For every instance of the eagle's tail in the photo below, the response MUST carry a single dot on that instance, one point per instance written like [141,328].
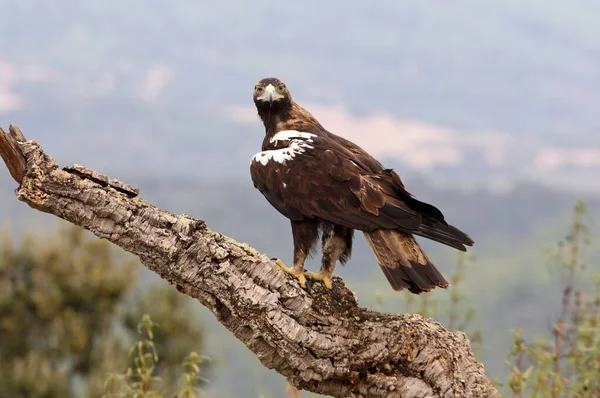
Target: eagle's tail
[435,228]
[403,261]
[444,233]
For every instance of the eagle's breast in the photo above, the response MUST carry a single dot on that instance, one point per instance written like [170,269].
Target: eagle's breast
[285,146]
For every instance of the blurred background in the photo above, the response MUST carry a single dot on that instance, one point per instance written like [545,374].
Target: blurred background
[487,110]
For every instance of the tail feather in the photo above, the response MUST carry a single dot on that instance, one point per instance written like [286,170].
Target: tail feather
[403,262]
[444,233]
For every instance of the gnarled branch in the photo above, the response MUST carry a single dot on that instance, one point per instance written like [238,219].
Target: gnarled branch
[319,339]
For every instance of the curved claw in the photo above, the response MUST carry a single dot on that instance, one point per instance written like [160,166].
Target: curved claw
[320,277]
[300,276]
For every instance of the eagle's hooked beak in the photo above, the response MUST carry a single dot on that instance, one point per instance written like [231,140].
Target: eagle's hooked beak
[270,94]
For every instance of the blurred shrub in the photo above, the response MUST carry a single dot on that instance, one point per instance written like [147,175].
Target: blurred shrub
[567,362]
[69,307]
[140,380]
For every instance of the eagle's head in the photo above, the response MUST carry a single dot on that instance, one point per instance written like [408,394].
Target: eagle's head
[271,93]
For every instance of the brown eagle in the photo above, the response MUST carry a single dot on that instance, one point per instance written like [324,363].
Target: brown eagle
[329,186]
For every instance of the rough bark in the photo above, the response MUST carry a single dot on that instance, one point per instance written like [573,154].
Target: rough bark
[320,340]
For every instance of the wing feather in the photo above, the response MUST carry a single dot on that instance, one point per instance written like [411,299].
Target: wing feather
[328,182]
[337,181]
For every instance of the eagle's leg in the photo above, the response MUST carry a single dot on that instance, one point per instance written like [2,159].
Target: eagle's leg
[305,234]
[337,245]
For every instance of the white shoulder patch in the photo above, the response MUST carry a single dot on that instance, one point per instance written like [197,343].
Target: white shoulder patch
[285,135]
[299,142]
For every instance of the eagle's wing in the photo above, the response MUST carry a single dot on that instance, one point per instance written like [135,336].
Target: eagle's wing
[335,183]
[433,226]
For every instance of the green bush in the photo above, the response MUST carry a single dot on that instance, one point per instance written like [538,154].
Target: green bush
[566,363]
[69,307]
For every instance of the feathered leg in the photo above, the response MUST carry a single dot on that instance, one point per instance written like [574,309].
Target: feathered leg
[305,234]
[337,245]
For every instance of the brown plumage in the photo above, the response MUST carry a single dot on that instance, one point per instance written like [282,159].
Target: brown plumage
[328,185]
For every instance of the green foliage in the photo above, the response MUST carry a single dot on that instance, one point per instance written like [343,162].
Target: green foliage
[179,328]
[192,364]
[140,380]
[66,305]
[568,362]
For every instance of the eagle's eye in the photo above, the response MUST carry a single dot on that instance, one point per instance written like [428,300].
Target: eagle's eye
[281,88]
[259,89]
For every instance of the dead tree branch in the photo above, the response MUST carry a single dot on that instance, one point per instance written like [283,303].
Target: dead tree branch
[319,339]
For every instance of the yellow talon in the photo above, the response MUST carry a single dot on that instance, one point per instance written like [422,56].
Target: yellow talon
[300,276]
[320,277]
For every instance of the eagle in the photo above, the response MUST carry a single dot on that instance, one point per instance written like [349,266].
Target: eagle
[328,187]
